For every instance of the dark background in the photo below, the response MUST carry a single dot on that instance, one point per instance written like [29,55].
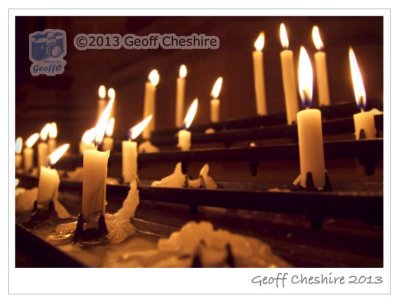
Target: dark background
[70,99]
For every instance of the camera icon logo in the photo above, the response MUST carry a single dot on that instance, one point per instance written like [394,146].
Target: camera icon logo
[46,51]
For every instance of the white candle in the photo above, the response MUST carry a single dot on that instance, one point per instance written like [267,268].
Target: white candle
[365,120]
[288,78]
[52,142]
[28,151]
[214,104]
[184,135]
[309,126]
[49,179]
[102,100]
[180,95]
[321,69]
[87,140]
[129,151]
[259,84]
[108,141]
[18,150]
[43,148]
[112,95]
[149,101]
[95,171]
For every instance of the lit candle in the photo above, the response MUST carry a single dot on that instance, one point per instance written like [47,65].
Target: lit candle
[149,101]
[52,137]
[43,148]
[180,95]
[321,69]
[18,150]
[258,66]
[215,100]
[28,152]
[108,141]
[184,135]
[95,172]
[87,141]
[102,100]
[49,179]
[365,120]
[129,151]
[309,127]
[112,95]
[288,78]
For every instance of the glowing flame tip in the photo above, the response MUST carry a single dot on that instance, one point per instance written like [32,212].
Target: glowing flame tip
[259,43]
[305,75]
[217,87]
[57,154]
[191,114]
[138,129]
[319,44]
[283,35]
[182,71]
[358,84]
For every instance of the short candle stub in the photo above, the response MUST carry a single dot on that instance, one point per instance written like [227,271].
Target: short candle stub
[91,236]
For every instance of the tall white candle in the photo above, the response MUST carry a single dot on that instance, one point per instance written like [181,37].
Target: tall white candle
[321,69]
[52,142]
[258,66]
[95,171]
[28,151]
[149,101]
[49,179]
[365,120]
[108,141]
[18,150]
[112,95]
[288,78]
[184,135]
[43,148]
[129,151]
[180,95]
[309,126]
[214,104]
[101,104]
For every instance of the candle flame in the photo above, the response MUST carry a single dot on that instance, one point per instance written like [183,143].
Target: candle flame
[138,129]
[88,136]
[154,77]
[110,127]
[319,44]
[259,43]
[18,145]
[111,93]
[284,36]
[305,75]
[191,114]
[358,84]
[217,87]
[182,71]
[53,130]
[16,182]
[44,133]
[102,92]
[32,140]
[101,125]
[57,154]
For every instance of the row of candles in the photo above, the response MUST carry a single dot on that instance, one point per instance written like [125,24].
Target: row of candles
[309,124]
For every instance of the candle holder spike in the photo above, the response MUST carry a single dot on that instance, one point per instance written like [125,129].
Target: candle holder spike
[39,215]
[253,168]
[368,163]
[310,184]
[90,235]
[230,259]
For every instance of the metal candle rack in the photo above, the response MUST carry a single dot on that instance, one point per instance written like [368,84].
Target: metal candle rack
[334,111]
